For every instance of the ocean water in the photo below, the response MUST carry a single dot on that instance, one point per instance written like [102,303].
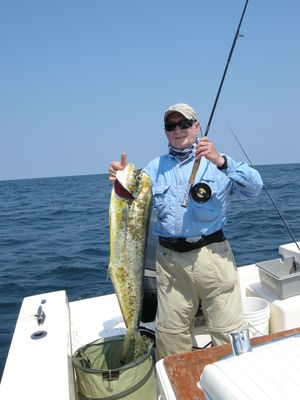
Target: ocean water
[54,235]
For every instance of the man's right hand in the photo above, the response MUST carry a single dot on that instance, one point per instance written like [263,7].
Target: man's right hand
[117,166]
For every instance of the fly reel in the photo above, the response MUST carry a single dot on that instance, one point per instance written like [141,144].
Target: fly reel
[201,192]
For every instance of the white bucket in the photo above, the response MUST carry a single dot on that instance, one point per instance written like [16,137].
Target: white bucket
[256,313]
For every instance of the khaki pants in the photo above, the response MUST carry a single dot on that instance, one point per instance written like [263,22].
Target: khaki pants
[208,274]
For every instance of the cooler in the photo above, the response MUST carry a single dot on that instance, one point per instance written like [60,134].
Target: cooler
[270,371]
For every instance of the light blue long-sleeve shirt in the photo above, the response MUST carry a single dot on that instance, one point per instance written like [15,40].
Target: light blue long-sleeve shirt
[169,178]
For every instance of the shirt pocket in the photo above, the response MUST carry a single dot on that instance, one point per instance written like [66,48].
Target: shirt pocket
[208,211]
[160,201]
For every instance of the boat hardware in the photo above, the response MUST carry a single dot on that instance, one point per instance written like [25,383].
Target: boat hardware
[38,335]
[295,264]
[295,268]
[240,341]
[40,316]
[197,188]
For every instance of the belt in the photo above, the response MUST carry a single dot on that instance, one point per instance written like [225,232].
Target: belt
[182,245]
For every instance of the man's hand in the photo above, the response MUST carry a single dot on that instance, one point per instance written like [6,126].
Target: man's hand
[206,149]
[116,166]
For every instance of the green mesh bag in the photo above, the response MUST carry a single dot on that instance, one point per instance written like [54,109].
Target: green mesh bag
[100,375]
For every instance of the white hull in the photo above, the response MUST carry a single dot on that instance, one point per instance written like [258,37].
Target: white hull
[42,368]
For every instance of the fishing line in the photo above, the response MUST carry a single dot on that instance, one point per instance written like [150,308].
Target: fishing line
[267,191]
[201,191]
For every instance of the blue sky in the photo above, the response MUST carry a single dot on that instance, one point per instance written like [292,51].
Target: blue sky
[81,81]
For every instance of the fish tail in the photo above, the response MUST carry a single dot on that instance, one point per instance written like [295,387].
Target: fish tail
[133,346]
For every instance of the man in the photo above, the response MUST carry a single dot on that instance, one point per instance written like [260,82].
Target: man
[194,261]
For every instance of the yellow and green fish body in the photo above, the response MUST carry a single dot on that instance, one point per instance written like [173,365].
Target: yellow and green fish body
[129,212]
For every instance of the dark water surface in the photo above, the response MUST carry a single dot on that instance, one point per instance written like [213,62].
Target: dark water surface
[54,235]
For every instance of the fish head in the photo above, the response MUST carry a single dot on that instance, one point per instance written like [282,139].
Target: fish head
[128,182]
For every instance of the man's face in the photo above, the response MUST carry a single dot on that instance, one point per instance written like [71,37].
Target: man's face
[182,139]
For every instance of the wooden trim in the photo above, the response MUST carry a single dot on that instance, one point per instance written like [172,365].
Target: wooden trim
[184,370]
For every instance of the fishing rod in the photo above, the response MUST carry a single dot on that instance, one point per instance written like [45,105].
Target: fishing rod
[267,191]
[201,192]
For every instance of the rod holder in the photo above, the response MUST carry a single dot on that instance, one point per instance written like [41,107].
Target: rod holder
[240,341]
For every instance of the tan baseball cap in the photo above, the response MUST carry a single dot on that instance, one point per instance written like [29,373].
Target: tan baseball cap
[187,111]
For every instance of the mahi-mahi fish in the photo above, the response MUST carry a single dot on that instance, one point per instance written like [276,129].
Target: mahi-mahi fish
[129,211]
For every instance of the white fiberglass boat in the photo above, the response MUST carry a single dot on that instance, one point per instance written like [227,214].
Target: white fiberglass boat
[50,329]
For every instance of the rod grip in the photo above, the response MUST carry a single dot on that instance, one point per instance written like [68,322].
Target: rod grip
[194,172]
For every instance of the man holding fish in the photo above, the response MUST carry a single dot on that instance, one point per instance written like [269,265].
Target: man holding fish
[194,261]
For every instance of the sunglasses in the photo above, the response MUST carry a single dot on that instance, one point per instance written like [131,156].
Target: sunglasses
[182,124]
